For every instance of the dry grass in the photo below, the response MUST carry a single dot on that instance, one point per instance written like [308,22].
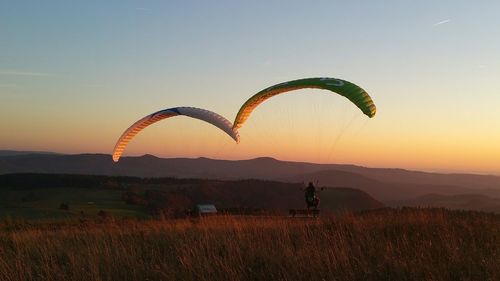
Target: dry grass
[405,244]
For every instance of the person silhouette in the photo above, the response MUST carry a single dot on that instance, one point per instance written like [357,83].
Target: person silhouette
[310,195]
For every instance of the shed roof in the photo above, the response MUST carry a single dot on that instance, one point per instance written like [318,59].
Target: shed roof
[206,208]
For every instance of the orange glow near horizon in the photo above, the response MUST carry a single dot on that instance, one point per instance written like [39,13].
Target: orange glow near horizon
[325,130]
[417,156]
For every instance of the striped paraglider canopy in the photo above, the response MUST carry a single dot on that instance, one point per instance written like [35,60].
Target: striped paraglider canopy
[197,113]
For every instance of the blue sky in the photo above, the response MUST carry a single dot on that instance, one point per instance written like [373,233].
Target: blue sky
[75,74]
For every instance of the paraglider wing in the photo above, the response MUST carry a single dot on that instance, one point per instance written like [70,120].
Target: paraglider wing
[344,88]
[198,113]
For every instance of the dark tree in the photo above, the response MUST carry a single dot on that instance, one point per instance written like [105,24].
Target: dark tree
[64,207]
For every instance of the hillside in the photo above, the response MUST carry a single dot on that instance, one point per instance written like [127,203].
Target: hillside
[388,244]
[389,190]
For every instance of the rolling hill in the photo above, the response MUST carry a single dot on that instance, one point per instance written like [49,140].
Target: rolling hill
[381,183]
[390,190]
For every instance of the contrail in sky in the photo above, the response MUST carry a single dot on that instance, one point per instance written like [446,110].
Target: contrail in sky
[441,22]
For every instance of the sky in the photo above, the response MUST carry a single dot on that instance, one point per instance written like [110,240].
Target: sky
[75,74]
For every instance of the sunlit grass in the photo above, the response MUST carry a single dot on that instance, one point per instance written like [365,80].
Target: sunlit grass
[407,244]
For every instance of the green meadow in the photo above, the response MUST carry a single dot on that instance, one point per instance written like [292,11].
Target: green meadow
[46,203]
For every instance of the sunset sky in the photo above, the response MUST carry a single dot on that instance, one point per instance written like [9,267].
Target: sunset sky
[75,74]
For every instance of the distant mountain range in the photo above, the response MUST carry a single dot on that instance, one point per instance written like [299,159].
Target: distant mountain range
[17,153]
[383,184]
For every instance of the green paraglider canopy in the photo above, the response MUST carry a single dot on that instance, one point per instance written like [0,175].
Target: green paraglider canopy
[354,93]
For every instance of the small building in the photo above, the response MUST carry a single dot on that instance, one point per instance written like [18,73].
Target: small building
[205,209]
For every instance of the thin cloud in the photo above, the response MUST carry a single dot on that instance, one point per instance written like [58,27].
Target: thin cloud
[441,22]
[143,9]
[22,73]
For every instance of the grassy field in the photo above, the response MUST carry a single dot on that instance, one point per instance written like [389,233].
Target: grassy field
[49,196]
[44,203]
[408,244]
